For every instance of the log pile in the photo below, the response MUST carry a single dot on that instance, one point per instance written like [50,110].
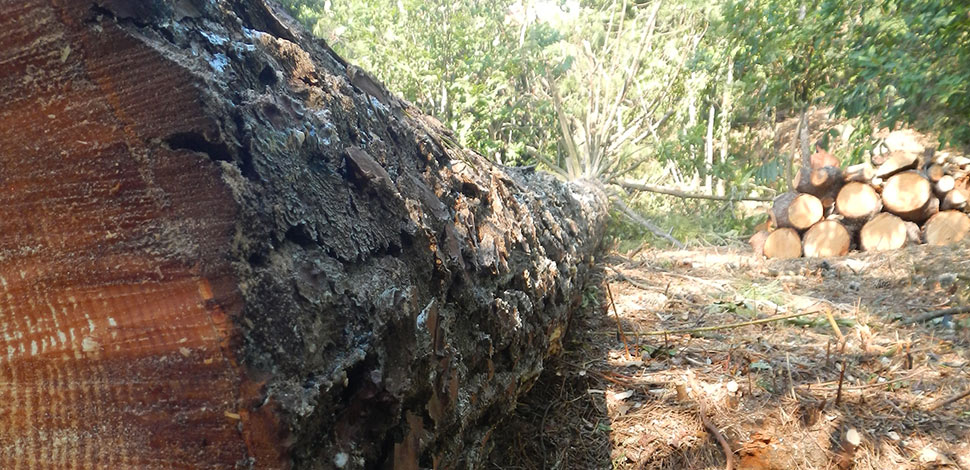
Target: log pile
[898,197]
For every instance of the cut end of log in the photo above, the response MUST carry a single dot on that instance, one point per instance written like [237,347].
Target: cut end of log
[826,239]
[884,232]
[956,199]
[907,195]
[783,243]
[945,184]
[804,211]
[858,201]
[946,227]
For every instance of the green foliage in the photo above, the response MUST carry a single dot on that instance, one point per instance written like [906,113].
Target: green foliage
[692,221]
[885,62]
[908,62]
[466,62]
[675,93]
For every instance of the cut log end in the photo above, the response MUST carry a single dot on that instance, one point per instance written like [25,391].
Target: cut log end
[884,232]
[858,201]
[907,195]
[804,211]
[945,184]
[823,158]
[783,243]
[946,227]
[955,200]
[826,239]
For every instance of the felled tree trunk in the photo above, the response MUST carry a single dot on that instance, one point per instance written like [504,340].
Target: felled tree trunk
[223,247]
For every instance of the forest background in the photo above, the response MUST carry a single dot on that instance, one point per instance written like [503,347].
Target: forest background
[721,98]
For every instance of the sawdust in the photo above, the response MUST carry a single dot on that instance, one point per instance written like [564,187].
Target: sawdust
[772,389]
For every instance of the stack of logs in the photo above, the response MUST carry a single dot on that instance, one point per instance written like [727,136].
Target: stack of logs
[898,197]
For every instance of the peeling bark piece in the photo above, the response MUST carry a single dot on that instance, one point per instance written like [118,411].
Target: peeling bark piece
[757,242]
[895,162]
[783,243]
[779,210]
[862,173]
[946,227]
[222,252]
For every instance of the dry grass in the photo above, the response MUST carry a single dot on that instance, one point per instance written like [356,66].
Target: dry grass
[771,389]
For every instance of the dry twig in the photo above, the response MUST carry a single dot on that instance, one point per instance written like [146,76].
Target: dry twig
[838,395]
[759,321]
[957,397]
[725,447]
[619,329]
[937,314]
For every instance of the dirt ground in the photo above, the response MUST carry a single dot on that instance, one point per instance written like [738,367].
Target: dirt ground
[796,393]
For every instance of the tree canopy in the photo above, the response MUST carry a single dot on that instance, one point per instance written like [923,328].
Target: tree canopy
[676,92]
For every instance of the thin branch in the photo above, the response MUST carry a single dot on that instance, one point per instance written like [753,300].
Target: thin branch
[728,454]
[702,329]
[619,329]
[957,397]
[937,314]
[687,195]
[637,218]
[573,155]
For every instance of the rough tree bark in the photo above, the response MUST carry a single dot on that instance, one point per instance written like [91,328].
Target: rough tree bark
[223,247]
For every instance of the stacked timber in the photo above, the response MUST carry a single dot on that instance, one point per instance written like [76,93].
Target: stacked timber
[898,197]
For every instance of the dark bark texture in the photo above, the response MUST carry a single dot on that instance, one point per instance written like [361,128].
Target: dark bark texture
[223,247]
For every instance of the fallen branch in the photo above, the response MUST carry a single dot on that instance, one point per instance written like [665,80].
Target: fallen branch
[635,283]
[937,314]
[681,331]
[957,397]
[817,386]
[728,453]
[845,361]
[687,195]
[725,447]
[637,218]
[619,329]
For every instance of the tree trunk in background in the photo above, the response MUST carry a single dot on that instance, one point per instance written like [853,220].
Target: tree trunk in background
[804,134]
[709,153]
[224,248]
[726,120]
